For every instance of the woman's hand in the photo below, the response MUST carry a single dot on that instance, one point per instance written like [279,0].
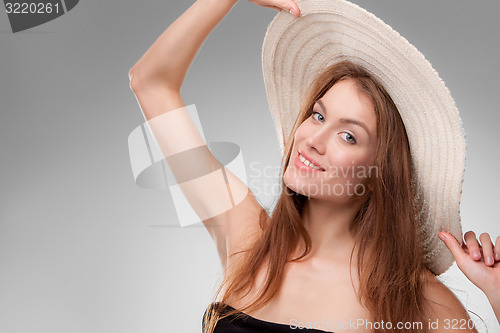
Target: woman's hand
[288,5]
[479,262]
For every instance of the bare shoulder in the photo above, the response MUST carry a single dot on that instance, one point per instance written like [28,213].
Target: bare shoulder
[444,308]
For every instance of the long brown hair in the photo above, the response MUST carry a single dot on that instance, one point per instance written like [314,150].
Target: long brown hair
[385,229]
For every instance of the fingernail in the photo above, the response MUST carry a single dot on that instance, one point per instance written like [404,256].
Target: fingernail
[497,256]
[292,11]
[477,254]
[489,261]
[441,236]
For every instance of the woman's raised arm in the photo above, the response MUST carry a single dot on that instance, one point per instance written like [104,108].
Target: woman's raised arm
[226,206]
[168,59]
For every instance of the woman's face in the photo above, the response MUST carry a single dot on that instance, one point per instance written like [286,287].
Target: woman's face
[339,138]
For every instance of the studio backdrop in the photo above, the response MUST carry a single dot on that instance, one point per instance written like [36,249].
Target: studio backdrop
[86,244]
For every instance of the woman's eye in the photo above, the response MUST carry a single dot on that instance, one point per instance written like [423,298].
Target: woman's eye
[318,116]
[348,137]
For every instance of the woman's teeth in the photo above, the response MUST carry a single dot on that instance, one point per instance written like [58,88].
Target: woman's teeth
[306,162]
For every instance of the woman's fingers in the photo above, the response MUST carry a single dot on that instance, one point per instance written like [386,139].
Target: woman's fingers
[472,245]
[487,247]
[484,275]
[487,251]
[465,248]
[294,9]
[456,250]
[288,5]
[278,5]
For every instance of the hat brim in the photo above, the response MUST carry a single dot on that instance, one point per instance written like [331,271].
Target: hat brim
[296,50]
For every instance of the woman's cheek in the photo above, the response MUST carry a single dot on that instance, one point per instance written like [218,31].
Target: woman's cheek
[352,169]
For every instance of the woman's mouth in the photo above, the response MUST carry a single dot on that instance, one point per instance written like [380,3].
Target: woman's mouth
[303,163]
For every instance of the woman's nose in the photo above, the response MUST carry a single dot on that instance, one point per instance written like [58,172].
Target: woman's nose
[318,139]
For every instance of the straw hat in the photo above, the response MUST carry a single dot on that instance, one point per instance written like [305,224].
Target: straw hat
[295,50]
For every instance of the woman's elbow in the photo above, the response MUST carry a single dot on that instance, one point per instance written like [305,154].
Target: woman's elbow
[133,78]
[139,81]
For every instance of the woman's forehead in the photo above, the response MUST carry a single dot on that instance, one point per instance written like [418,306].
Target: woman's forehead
[345,99]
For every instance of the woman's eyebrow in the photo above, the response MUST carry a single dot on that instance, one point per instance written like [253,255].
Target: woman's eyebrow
[346,120]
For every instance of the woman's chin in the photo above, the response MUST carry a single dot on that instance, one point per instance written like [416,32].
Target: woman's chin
[292,185]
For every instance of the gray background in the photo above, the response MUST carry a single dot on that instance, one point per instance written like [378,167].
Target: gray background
[83,249]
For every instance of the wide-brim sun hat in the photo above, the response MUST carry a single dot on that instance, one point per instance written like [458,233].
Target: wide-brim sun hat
[296,49]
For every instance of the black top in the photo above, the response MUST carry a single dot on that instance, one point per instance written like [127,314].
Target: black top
[244,323]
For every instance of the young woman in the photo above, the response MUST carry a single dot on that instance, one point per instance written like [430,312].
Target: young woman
[350,256]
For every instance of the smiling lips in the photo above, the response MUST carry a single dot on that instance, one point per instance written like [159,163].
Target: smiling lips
[304,162]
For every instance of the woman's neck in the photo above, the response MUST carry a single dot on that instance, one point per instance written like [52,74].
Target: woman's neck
[328,225]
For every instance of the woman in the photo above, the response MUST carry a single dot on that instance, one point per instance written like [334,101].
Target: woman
[324,253]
